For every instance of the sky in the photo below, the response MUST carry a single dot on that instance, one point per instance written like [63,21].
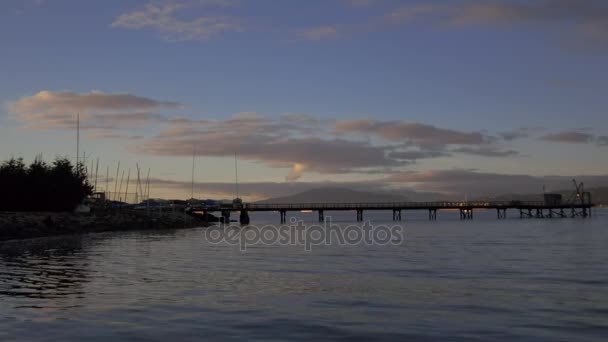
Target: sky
[460,97]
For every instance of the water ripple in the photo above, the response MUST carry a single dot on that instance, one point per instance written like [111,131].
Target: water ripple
[459,281]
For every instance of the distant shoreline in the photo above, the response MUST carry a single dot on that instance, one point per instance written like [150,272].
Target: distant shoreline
[27,225]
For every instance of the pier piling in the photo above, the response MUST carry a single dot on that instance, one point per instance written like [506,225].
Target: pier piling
[359,215]
[432,214]
[396,214]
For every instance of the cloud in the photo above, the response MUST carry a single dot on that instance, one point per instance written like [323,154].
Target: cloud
[520,133]
[296,172]
[404,14]
[485,151]
[98,110]
[164,17]
[319,33]
[417,154]
[577,23]
[585,20]
[94,100]
[298,142]
[115,136]
[573,137]
[306,144]
[577,136]
[512,13]
[510,136]
[417,133]
[363,3]
[264,140]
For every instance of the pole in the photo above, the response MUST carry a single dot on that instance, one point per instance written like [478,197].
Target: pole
[96,171]
[193,158]
[91,169]
[90,174]
[121,179]
[107,182]
[236,176]
[137,186]
[127,189]
[116,180]
[84,161]
[148,185]
[77,141]
[147,196]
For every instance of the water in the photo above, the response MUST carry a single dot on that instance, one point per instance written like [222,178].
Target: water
[535,280]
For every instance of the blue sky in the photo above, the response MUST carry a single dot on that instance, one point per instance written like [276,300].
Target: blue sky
[536,68]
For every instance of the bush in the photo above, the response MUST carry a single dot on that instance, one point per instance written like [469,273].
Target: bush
[42,187]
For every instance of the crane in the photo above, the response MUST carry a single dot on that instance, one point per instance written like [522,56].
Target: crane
[580,195]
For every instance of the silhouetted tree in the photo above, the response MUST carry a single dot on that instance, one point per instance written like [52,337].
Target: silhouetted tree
[42,187]
[12,180]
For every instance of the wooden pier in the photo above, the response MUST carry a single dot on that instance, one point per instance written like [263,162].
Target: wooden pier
[529,210]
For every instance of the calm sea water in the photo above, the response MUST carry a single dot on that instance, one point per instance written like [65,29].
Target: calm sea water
[534,280]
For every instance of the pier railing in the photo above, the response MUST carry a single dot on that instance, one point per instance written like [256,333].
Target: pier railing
[407,205]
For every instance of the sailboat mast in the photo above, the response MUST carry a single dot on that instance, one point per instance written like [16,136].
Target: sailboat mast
[236,176]
[77,142]
[116,181]
[193,158]
[96,172]
[127,189]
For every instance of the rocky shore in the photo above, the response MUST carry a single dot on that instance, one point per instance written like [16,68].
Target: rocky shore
[25,225]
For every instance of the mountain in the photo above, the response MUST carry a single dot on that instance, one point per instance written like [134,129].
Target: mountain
[599,196]
[337,195]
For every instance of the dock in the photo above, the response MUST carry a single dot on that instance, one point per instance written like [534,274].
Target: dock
[524,209]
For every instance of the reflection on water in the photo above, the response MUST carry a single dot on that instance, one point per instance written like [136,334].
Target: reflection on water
[486,279]
[43,268]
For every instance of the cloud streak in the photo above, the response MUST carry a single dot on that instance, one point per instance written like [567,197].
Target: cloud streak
[576,137]
[572,137]
[578,23]
[319,33]
[164,18]
[98,110]
[485,151]
[417,133]
[585,20]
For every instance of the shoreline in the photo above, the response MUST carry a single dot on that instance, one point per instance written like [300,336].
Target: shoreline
[28,225]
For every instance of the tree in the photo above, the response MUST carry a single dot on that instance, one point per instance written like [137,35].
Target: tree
[42,187]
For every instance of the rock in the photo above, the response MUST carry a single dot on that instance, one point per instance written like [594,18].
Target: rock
[20,225]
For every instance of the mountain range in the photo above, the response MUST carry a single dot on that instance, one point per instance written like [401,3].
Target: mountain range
[599,196]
